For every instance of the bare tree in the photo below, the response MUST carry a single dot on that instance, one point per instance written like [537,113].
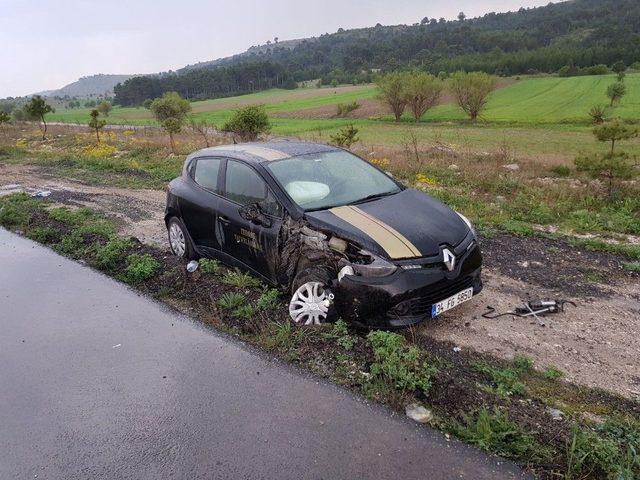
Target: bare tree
[202,128]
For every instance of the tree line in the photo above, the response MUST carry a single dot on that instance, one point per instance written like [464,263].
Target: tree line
[575,35]
[198,84]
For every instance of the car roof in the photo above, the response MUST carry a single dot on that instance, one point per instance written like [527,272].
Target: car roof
[259,152]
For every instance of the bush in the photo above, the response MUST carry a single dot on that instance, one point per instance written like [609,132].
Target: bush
[597,113]
[345,108]
[140,268]
[616,91]
[340,333]
[239,279]
[208,265]
[231,300]
[268,300]
[345,137]
[560,170]
[248,122]
[399,364]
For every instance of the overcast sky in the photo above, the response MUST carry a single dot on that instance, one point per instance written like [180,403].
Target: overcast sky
[46,44]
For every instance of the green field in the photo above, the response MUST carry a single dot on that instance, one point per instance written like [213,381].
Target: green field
[551,100]
[536,100]
[536,115]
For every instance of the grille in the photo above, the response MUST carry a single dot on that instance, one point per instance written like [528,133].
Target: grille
[421,305]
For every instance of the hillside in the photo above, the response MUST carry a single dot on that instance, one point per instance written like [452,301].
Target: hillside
[91,86]
[544,39]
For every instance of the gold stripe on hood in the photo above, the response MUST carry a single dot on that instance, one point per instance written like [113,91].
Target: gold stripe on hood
[393,242]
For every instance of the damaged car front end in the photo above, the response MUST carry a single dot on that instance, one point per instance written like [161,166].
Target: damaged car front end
[344,238]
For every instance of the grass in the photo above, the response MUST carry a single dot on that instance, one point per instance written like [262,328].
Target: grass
[239,279]
[608,451]
[632,266]
[493,431]
[210,266]
[231,300]
[109,256]
[140,268]
[551,100]
[397,364]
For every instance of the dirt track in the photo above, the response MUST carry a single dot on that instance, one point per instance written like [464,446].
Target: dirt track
[595,344]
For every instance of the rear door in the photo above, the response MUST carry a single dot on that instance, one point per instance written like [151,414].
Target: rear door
[198,206]
[256,246]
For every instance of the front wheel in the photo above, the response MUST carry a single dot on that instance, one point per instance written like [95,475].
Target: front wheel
[312,301]
[179,239]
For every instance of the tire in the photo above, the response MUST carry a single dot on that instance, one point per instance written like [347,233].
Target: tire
[311,300]
[183,249]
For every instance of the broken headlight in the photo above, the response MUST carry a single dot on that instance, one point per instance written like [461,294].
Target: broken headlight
[367,264]
[468,222]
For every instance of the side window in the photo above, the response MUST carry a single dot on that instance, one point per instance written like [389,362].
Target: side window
[205,173]
[244,186]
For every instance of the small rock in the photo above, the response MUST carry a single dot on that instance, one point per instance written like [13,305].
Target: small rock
[524,264]
[418,413]
[555,413]
[514,167]
[456,349]
[453,166]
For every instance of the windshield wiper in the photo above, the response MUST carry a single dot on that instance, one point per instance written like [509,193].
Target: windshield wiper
[375,196]
[362,200]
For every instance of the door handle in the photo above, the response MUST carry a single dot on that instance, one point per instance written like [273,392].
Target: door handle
[224,220]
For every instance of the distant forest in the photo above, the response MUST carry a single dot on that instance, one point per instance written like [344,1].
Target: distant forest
[578,33]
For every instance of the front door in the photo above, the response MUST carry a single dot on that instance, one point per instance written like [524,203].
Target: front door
[255,245]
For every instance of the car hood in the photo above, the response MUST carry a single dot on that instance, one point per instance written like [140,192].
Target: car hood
[408,224]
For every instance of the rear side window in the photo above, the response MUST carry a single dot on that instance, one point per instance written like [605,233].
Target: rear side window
[244,186]
[205,173]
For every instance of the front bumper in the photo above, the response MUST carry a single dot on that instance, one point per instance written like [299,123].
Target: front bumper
[405,297]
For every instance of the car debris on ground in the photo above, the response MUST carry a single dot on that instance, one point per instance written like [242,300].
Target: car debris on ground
[417,412]
[532,308]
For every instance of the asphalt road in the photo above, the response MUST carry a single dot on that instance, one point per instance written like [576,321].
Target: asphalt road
[97,381]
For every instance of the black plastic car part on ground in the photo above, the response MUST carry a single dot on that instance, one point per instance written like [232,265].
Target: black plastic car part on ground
[341,235]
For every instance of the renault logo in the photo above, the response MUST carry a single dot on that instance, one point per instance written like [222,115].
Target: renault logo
[449,259]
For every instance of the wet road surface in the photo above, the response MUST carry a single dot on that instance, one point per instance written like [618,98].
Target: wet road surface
[97,381]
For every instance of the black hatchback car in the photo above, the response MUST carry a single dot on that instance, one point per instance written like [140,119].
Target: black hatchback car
[343,237]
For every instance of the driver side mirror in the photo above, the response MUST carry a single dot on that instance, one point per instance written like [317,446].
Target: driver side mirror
[253,214]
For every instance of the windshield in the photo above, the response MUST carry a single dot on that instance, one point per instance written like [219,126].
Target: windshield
[324,180]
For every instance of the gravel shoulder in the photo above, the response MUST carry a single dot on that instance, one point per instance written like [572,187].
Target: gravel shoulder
[597,343]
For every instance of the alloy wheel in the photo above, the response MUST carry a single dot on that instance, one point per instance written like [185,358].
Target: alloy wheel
[177,240]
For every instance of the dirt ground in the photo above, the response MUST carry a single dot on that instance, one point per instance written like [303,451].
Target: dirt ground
[596,343]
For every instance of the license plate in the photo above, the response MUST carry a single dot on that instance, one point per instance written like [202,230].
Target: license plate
[451,302]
